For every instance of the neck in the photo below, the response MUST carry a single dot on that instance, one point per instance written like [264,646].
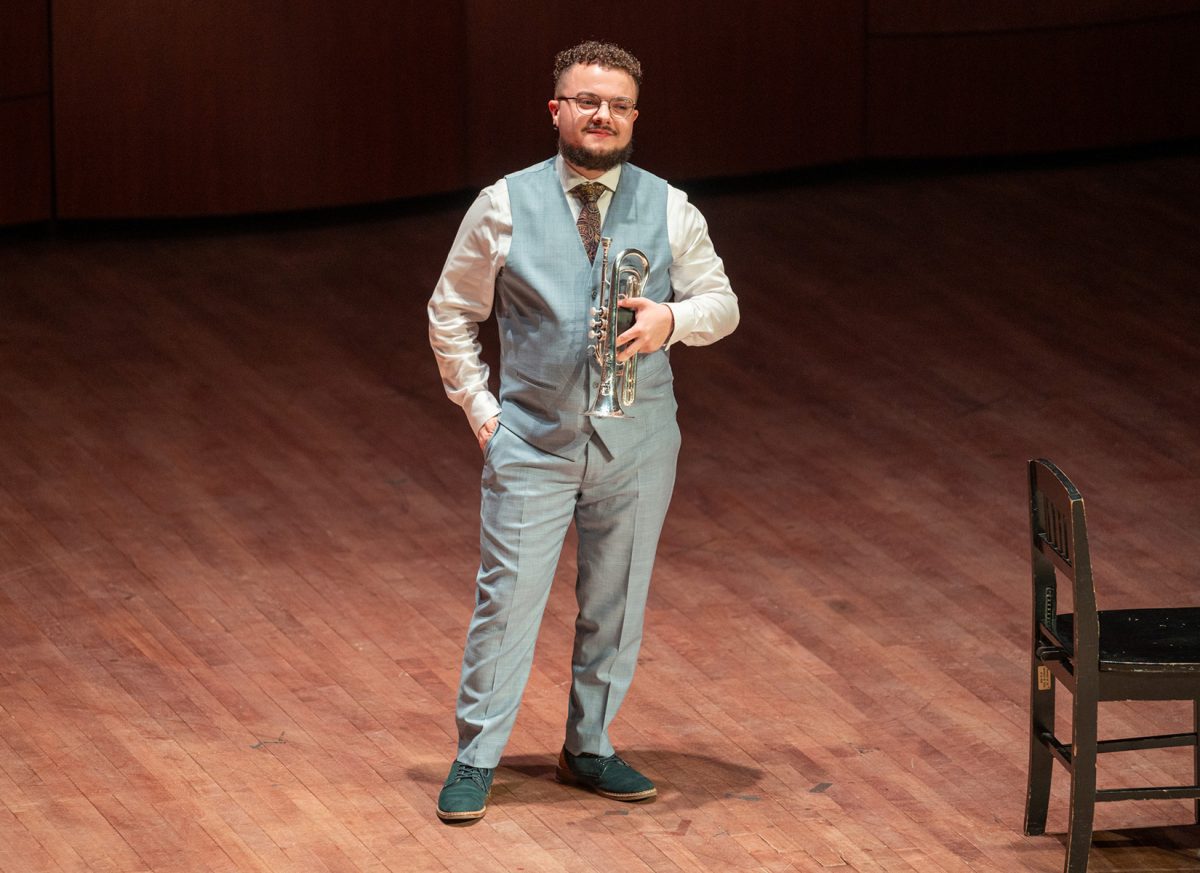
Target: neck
[584,171]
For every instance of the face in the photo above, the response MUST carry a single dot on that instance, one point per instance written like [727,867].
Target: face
[593,143]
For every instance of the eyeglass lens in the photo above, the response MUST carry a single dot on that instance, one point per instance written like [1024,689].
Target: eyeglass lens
[590,103]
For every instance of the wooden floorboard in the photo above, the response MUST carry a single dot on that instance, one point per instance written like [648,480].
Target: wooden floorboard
[238,531]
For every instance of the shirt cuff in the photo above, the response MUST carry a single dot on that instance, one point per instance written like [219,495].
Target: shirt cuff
[480,408]
[683,322]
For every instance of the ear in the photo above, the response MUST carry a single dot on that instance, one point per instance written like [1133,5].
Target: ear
[553,107]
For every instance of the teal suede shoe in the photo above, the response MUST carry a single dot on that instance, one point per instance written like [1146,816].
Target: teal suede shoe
[608,776]
[465,793]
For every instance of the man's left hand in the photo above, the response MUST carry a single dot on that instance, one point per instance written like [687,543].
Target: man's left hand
[650,332]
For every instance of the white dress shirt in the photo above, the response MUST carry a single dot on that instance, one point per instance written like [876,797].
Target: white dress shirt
[703,303]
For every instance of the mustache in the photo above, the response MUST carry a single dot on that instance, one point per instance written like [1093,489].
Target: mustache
[604,127]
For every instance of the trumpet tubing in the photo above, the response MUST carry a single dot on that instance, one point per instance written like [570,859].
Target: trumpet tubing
[627,277]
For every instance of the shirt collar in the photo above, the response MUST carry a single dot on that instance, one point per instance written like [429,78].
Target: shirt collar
[569,178]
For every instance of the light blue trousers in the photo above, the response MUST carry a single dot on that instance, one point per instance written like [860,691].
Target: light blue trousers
[529,499]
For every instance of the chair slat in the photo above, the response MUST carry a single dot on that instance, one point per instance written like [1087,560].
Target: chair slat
[1174,792]
[1162,741]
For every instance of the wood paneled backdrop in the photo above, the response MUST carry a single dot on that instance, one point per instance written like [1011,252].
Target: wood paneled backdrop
[218,106]
[25,145]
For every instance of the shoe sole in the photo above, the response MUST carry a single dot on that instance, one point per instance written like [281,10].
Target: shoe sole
[566,777]
[472,815]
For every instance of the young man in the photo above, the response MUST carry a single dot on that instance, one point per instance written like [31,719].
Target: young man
[528,247]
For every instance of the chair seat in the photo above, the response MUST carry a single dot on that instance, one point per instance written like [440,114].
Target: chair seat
[1144,640]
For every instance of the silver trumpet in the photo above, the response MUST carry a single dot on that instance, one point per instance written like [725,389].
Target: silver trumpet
[629,273]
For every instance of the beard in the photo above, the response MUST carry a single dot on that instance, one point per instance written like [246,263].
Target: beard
[593,160]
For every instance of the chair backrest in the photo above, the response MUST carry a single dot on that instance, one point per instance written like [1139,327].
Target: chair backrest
[1058,527]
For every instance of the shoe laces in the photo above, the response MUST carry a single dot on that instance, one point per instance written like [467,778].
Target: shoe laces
[478,775]
[606,761]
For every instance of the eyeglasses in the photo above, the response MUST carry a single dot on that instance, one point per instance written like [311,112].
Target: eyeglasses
[589,104]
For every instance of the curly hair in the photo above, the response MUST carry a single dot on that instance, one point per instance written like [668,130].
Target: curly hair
[606,54]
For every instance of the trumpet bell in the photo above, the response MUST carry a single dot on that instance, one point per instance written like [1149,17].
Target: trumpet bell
[606,406]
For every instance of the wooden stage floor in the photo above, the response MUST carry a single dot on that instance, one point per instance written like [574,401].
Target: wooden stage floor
[238,530]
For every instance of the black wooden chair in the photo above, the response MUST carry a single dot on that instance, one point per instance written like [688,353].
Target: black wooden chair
[1127,654]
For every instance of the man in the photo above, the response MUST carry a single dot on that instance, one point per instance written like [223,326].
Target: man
[528,248]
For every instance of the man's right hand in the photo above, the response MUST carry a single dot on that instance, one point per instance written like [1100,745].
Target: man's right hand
[485,432]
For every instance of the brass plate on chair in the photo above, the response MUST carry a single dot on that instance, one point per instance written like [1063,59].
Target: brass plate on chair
[1044,679]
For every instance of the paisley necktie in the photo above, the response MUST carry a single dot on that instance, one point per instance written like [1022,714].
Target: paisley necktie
[589,216]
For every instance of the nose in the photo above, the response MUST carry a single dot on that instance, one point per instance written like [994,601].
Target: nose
[603,112]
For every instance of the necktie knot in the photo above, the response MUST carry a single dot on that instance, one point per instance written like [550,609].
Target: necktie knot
[588,222]
[588,192]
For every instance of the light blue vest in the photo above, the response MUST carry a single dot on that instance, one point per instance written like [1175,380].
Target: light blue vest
[543,302]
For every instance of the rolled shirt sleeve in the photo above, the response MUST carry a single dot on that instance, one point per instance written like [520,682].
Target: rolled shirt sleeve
[462,300]
[704,305]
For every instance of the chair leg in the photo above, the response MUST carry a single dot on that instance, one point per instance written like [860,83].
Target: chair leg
[1196,754]
[1083,783]
[1041,762]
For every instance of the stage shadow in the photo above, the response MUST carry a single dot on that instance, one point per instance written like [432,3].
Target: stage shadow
[1175,837]
[690,781]
[1169,849]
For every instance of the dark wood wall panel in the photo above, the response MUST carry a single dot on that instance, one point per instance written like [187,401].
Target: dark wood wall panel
[956,16]
[24,49]
[223,106]
[729,89]
[1034,90]
[25,180]
[25,173]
